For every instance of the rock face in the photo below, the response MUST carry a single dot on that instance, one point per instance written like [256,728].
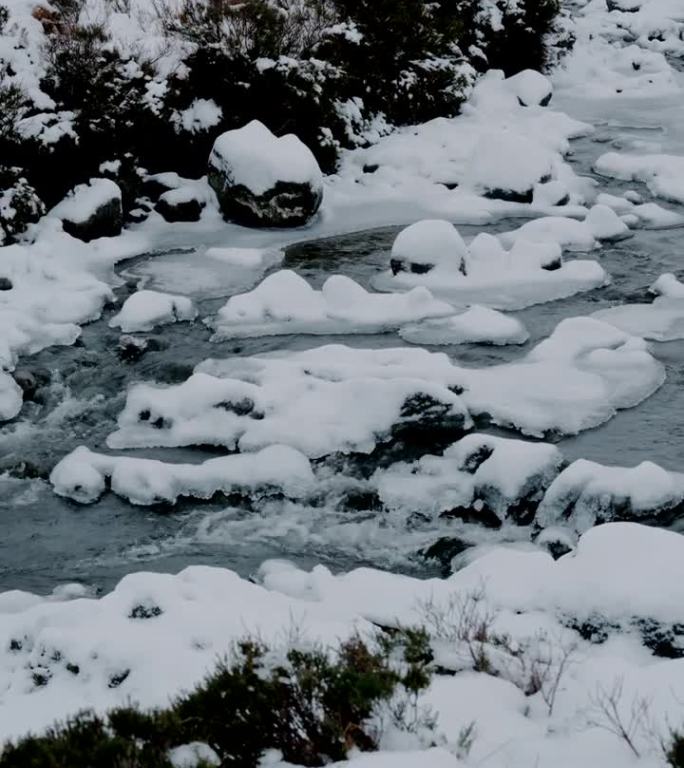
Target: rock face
[262,180]
[91,210]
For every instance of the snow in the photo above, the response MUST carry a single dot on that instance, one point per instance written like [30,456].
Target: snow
[337,398]
[144,310]
[586,493]
[252,156]
[605,224]
[667,285]
[285,303]
[476,325]
[201,115]
[190,755]
[85,199]
[531,87]
[662,174]
[84,475]
[430,243]
[613,574]
[532,271]
[11,398]
[663,320]
[575,379]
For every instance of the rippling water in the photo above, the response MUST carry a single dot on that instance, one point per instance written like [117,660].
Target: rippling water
[47,540]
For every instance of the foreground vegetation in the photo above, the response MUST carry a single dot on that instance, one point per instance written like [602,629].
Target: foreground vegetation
[310,705]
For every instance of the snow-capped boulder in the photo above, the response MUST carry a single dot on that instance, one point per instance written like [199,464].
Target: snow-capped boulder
[263,180]
[550,193]
[427,244]
[531,88]
[11,397]
[182,204]
[477,325]
[91,210]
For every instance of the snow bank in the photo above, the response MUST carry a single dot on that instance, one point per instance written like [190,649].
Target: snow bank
[144,310]
[477,325]
[84,475]
[622,577]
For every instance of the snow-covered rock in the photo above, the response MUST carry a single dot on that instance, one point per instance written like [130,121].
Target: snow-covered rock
[285,303]
[477,325]
[663,320]
[426,244]
[84,475]
[144,310]
[586,494]
[11,397]
[182,204]
[319,401]
[532,271]
[669,286]
[91,210]
[480,478]
[264,180]
[531,88]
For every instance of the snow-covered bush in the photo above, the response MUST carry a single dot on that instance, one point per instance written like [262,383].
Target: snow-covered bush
[311,704]
[19,204]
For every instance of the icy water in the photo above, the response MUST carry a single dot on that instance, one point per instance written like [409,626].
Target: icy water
[47,540]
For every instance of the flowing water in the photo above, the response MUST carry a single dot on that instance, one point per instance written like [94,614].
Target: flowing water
[47,540]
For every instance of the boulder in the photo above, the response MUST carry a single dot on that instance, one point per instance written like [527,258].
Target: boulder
[262,180]
[91,210]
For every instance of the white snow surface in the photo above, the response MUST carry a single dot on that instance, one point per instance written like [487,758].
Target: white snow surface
[285,303]
[85,199]
[252,156]
[476,325]
[144,310]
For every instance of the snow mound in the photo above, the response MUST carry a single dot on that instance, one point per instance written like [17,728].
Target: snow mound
[667,285]
[285,303]
[532,271]
[427,244]
[144,310]
[477,325]
[574,380]
[531,88]
[84,475]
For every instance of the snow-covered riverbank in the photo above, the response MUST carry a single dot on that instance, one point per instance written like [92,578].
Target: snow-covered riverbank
[604,617]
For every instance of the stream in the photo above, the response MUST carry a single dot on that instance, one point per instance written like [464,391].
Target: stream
[48,540]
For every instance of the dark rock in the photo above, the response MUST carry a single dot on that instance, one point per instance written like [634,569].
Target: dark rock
[510,196]
[478,512]
[131,348]
[444,550]
[5,284]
